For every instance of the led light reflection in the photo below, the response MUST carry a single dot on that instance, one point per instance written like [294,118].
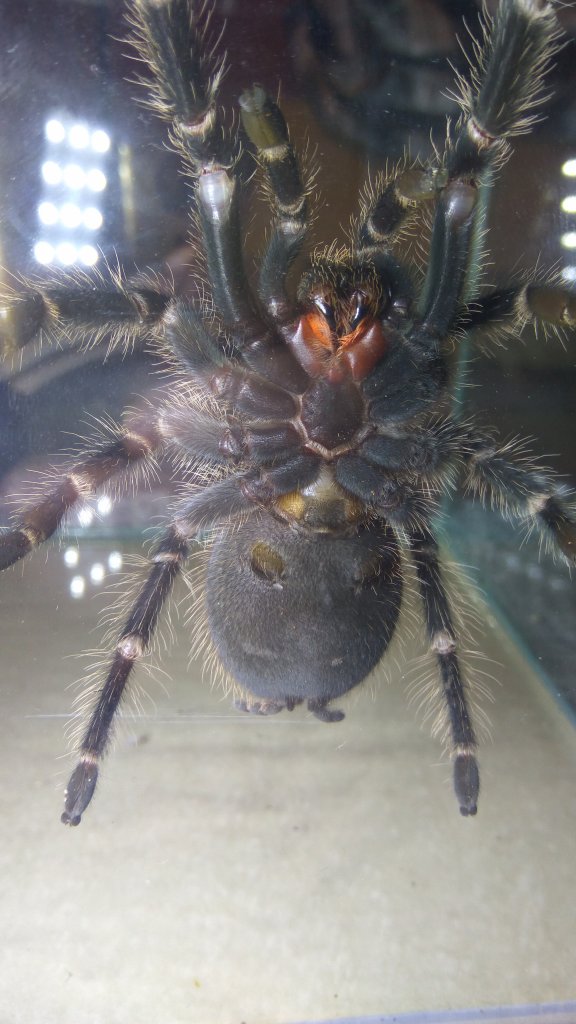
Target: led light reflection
[96,180]
[104,505]
[66,253]
[54,130]
[44,252]
[568,240]
[115,561]
[569,168]
[88,255]
[47,213]
[85,516]
[71,557]
[92,218]
[568,204]
[74,177]
[79,136]
[97,572]
[70,215]
[77,586]
[51,172]
[100,141]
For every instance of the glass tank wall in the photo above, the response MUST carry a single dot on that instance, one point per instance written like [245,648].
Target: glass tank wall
[274,869]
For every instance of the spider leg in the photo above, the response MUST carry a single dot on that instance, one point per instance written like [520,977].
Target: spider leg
[38,520]
[506,91]
[546,304]
[81,312]
[184,92]
[519,487]
[134,638]
[204,509]
[169,38]
[266,128]
[442,639]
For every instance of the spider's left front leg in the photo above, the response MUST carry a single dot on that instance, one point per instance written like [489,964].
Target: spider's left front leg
[442,637]
[505,476]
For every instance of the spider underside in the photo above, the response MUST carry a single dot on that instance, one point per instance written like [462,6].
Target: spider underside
[312,432]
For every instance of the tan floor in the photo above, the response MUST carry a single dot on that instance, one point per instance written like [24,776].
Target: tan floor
[236,870]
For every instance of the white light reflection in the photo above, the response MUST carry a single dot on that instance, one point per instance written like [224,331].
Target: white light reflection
[51,172]
[115,561]
[70,215]
[85,516]
[79,136]
[71,557]
[88,255]
[569,168]
[54,130]
[96,180]
[47,213]
[100,141]
[568,204]
[568,240]
[66,253]
[77,586]
[104,505]
[74,177]
[92,218]
[569,274]
[44,252]
[72,172]
[97,572]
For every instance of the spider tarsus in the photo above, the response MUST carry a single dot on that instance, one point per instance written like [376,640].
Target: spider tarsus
[79,792]
[323,713]
[13,546]
[466,784]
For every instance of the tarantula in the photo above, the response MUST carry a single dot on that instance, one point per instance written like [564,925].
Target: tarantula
[312,432]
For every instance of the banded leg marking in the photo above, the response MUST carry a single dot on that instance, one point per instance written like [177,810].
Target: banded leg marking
[442,638]
[134,639]
[39,521]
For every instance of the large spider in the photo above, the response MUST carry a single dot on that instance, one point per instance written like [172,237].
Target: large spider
[312,432]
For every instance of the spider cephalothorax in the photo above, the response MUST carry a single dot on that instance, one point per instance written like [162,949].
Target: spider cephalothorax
[311,431]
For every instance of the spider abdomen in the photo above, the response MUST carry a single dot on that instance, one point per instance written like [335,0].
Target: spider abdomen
[301,616]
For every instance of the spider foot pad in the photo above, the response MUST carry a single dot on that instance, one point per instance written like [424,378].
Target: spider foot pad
[466,783]
[79,792]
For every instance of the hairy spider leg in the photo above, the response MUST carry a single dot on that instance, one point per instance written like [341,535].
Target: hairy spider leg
[82,312]
[498,103]
[442,637]
[505,88]
[130,446]
[170,553]
[184,92]
[134,638]
[541,303]
[207,508]
[522,489]
[266,128]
